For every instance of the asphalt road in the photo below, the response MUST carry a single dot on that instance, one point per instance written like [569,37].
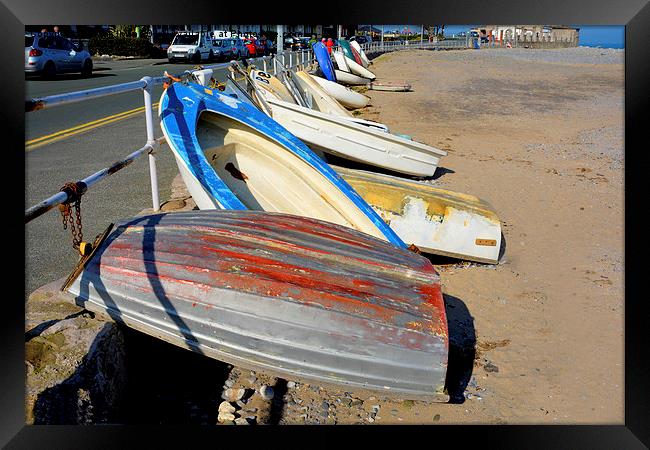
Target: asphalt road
[89,144]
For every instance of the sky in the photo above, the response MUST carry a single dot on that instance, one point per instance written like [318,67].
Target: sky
[590,35]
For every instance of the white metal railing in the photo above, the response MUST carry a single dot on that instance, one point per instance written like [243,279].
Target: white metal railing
[146,84]
[387,46]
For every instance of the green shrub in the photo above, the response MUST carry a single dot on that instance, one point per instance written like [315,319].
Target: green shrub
[106,44]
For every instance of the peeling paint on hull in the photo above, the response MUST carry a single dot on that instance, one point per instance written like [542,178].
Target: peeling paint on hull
[436,220]
[296,297]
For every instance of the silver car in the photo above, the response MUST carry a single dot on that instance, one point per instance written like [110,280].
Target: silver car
[229,48]
[50,53]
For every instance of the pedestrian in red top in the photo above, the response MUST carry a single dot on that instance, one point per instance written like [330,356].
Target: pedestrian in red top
[329,44]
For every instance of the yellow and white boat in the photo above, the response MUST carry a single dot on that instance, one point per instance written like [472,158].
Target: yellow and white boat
[437,221]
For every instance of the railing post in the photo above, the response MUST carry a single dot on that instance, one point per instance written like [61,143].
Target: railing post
[151,141]
[290,59]
[264,62]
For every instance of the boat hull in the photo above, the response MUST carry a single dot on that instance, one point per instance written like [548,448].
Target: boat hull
[356,142]
[321,100]
[295,297]
[340,62]
[349,52]
[437,221]
[346,96]
[358,69]
[324,60]
[307,89]
[355,45]
[351,79]
[390,87]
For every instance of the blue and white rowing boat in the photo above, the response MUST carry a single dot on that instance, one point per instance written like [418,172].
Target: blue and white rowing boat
[233,156]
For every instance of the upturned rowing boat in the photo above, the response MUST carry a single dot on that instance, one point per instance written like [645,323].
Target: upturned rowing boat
[232,156]
[389,86]
[293,297]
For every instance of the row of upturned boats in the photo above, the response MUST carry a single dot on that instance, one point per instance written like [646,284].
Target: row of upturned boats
[292,265]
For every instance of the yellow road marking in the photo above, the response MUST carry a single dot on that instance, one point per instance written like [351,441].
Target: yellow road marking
[57,136]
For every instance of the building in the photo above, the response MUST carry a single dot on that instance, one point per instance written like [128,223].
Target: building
[529,33]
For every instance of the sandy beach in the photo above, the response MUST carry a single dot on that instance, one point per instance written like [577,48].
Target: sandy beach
[539,135]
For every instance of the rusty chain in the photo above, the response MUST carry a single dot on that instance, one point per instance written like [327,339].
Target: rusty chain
[74,191]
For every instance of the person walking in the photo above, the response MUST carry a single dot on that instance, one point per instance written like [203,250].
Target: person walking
[329,44]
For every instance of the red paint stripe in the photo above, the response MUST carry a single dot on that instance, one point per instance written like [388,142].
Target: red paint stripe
[175,289]
[221,259]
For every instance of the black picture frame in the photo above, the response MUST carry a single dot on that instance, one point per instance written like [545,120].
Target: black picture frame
[634,14]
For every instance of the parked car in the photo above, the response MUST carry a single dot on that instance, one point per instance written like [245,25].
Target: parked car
[229,48]
[300,43]
[50,53]
[288,42]
[361,39]
[194,47]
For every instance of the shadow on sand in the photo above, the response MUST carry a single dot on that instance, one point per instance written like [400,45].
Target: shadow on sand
[462,343]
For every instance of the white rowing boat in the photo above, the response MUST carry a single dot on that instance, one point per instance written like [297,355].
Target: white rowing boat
[354,141]
[340,62]
[389,86]
[350,78]
[318,100]
[355,45]
[344,95]
[358,69]
[436,220]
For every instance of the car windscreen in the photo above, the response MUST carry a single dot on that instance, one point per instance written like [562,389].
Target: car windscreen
[29,41]
[186,39]
[218,43]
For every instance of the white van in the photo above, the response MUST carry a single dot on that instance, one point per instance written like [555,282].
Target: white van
[189,46]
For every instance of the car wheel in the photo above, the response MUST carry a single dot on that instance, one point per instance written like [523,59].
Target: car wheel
[49,70]
[171,60]
[87,69]
[211,56]
[196,59]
